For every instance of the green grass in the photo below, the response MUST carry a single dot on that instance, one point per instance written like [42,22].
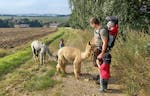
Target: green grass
[11,61]
[45,81]
[21,56]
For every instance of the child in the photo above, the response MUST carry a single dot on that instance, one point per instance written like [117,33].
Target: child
[112,26]
[113,30]
[61,43]
[104,71]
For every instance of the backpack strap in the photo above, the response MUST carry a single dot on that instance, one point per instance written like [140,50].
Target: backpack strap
[107,50]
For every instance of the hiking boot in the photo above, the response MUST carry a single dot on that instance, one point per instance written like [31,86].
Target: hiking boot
[103,85]
[102,90]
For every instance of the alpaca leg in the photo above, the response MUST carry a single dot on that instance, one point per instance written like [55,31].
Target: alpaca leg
[34,56]
[77,69]
[58,68]
[41,58]
[75,72]
[63,67]
[48,53]
[43,54]
[34,53]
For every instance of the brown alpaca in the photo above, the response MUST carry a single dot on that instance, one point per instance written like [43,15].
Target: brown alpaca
[72,55]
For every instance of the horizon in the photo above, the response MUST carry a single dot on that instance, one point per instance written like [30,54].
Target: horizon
[20,14]
[41,7]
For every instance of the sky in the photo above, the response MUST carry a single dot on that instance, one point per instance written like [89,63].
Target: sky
[34,7]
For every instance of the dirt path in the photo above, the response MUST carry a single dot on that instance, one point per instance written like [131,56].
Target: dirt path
[86,86]
[12,37]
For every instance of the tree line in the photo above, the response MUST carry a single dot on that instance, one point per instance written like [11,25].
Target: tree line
[129,12]
[9,23]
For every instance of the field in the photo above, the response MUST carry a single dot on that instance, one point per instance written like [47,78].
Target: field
[13,37]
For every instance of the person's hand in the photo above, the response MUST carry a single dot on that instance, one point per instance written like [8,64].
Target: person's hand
[100,56]
[95,49]
[98,63]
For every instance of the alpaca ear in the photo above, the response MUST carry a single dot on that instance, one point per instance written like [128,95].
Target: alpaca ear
[89,43]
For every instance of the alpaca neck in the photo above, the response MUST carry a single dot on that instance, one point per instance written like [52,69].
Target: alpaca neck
[84,55]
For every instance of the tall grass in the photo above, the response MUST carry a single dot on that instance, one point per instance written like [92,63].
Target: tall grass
[131,61]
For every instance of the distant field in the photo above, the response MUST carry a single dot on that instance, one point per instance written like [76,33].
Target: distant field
[12,37]
[42,19]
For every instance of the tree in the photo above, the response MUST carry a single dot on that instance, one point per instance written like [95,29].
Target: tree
[126,10]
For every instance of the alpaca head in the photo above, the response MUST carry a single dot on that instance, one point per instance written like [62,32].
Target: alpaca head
[89,48]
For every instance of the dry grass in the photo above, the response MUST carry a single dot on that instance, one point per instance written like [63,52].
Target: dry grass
[131,61]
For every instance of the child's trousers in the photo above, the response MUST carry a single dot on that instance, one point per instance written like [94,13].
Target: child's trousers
[103,84]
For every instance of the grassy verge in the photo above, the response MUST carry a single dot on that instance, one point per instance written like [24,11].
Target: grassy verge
[42,82]
[131,61]
[28,78]
[21,56]
[10,62]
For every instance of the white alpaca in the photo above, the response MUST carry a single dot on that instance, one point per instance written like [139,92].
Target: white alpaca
[41,49]
[72,55]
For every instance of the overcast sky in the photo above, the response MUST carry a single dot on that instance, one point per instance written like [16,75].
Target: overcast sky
[34,6]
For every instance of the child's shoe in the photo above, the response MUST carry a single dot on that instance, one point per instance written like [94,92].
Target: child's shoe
[102,90]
